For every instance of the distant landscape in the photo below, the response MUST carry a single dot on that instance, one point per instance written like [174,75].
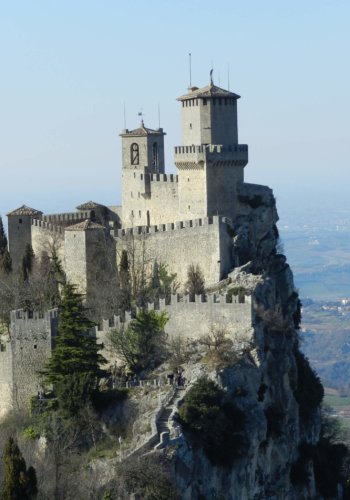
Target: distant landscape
[317,244]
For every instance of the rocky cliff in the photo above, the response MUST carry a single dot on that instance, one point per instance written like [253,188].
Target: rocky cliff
[266,383]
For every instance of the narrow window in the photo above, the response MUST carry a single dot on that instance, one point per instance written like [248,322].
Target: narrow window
[155,156]
[19,221]
[139,213]
[134,153]
[204,102]
[190,125]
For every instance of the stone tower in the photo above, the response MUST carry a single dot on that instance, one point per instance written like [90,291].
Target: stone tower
[20,232]
[142,156]
[210,162]
[89,258]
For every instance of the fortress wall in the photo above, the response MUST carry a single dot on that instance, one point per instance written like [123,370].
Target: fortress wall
[45,237]
[205,242]
[164,203]
[5,378]
[75,259]
[31,341]
[190,320]
[67,218]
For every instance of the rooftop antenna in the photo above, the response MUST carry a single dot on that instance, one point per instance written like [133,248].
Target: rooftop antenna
[140,113]
[228,76]
[190,63]
[211,77]
[124,115]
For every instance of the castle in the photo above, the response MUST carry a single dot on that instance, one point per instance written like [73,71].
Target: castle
[200,216]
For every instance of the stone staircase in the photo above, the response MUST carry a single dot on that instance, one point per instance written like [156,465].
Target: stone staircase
[163,419]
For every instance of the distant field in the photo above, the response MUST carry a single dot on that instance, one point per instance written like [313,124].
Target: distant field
[341,406]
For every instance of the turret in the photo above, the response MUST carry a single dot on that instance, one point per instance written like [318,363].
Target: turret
[210,161]
[143,155]
[20,232]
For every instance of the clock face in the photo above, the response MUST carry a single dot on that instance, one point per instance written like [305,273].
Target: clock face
[135,155]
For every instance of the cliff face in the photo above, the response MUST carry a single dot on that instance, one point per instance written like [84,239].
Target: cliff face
[264,383]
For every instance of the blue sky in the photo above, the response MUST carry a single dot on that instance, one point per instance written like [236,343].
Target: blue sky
[67,67]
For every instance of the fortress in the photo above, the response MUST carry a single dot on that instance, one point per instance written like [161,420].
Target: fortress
[201,216]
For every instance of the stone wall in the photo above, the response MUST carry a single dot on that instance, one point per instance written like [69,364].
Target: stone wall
[31,345]
[205,242]
[47,237]
[5,378]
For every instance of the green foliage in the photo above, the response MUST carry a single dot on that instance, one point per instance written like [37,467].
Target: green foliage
[5,259]
[309,391]
[103,399]
[27,262]
[19,483]
[31,433]
[74,366]
[163,284]
[195,281]
[142,343]
[124,283]
[216,422]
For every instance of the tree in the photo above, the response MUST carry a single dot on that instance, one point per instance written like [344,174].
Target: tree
[195,281]
[141,344]
[162,283]
[5,259]
[124,282]
[76,353]
[20,483]
[27,261]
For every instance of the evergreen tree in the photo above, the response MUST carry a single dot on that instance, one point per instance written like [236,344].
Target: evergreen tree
[195,281]
[19,483]
[5,259]
[27,261]
[76,353]
[124,282]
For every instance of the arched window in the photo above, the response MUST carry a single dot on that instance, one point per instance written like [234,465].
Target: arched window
[155,156]
[134,154]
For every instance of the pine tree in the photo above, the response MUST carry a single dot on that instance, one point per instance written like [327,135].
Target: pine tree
[76,353]
[27,261]
[5,259]
[19,483]
[124,282]
[195,281]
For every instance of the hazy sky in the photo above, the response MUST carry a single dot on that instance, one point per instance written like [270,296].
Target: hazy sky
[67,67]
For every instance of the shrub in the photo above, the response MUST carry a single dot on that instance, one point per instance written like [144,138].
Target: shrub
[217,423]
[309,391]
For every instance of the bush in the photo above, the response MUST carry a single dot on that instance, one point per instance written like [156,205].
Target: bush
[309,391]
[103,399]
[217,424]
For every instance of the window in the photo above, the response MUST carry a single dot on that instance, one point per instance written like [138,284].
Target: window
[19,221]
[155,156]
[139,213]
[134,154]
[190,125]
[204,102]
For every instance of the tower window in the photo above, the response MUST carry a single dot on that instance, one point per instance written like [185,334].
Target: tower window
[134,154]
[190,125]
[19,221]
[139,213]
[204,102]
[155,156]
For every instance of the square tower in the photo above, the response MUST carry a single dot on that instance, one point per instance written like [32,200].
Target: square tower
[143,156]
[211,161]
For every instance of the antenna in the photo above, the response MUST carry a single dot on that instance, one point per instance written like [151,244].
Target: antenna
[124,114]
[190,63]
